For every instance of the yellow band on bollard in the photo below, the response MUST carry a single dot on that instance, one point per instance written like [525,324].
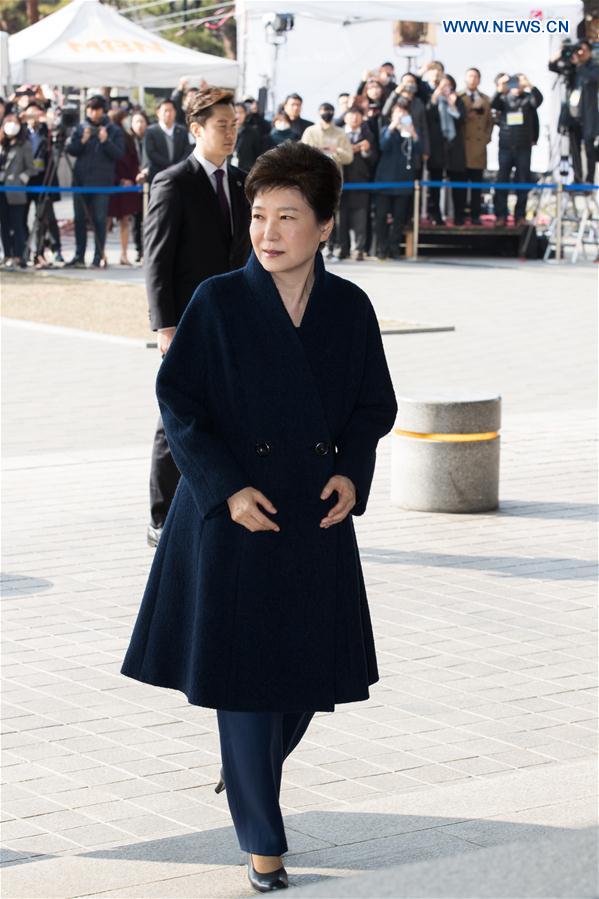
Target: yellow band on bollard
[449,438]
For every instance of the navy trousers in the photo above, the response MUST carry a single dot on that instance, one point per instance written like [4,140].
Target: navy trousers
[254,746]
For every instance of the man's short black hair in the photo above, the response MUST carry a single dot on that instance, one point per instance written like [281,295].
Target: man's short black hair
[327,106]
[96,102]
[474,69]
[165,101]
[293,97]
[342,94]
[294,164]
[387,64]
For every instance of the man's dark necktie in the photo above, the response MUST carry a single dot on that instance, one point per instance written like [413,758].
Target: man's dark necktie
[222,201]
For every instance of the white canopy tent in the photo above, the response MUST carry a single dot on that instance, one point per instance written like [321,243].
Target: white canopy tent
[87,43]
[334,41]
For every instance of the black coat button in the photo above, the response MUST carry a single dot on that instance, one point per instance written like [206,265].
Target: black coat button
[263,449]
[321,449]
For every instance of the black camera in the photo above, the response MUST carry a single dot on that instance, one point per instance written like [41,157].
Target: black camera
[568,51]
[69,116]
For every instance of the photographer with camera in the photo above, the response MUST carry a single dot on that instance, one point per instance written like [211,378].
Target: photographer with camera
[45,229]
[516,102]
[579,115]
[97,145]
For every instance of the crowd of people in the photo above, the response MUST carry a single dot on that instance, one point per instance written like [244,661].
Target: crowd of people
[392,128]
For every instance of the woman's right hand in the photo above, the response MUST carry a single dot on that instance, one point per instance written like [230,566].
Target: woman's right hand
[244,510]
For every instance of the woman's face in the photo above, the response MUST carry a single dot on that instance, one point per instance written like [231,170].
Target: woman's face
[284,231]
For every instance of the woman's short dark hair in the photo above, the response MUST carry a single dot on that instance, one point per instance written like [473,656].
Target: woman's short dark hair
[297,165]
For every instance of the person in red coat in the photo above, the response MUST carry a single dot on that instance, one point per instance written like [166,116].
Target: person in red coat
[122,206]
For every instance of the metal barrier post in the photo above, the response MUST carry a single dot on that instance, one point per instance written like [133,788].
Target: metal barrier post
[558,223]
[416,225]
[145,200]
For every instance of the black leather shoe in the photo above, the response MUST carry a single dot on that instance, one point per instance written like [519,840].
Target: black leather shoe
[221,784]
[264,883]
[153,535]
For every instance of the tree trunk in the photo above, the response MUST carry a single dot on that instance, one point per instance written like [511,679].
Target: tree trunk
[33,13]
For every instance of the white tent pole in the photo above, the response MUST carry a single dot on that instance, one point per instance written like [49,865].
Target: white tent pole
[142,96]
[241,17]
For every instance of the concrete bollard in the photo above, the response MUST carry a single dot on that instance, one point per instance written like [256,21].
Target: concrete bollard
[445,452]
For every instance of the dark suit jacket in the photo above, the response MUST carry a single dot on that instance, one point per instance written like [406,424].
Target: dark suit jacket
[156,156]
[184,237]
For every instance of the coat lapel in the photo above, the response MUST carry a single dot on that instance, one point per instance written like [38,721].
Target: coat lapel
[281,352]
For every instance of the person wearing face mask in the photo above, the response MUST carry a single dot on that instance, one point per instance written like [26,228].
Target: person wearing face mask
[281,129]
[16,168]
[46,230]
[333,141]
[326,136]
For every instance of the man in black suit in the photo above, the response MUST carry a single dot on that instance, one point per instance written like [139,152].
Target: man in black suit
[292,105]
[197,226]
[166,143]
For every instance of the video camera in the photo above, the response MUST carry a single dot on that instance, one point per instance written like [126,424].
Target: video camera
[569,51]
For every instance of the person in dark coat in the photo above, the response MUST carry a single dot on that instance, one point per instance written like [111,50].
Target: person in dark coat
[517,107]
[400,146]
[446,115]
[45,227]
[355,204]
[97,145]
[580,111]
[16,168]
[123,206]
[197,226]
[139,126]
[407,89]
[249,144]
[281,130]
[292,105]
[274,395]
[165,143]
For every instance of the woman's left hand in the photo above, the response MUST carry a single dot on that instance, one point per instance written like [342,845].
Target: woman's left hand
[346,493]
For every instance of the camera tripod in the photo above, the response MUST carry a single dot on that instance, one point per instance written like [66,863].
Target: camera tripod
[44,210]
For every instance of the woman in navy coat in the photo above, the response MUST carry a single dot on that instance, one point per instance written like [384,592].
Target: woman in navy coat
[274,394]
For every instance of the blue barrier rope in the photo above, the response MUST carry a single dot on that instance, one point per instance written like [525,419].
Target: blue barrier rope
[497,185]
[366,185]
[54,189]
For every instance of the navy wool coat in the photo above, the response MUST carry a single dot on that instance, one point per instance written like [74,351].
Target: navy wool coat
[265,621]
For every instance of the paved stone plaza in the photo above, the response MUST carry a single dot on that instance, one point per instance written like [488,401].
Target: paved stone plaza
[470,771]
